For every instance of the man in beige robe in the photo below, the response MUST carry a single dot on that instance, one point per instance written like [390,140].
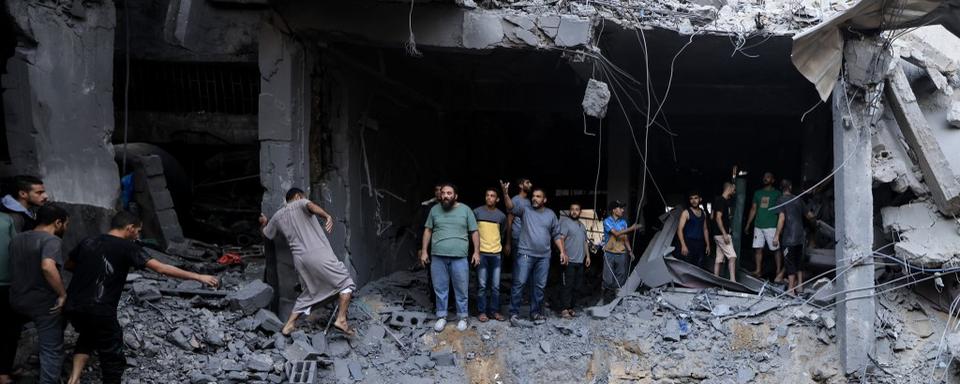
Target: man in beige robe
[321,274]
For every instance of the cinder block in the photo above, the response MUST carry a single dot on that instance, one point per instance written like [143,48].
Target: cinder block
[161,199]
[251,297]
[152,165]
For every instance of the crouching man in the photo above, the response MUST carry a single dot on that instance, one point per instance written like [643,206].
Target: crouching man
[100,265]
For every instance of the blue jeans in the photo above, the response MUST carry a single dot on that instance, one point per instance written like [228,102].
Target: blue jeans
[444,270]
[50,337]
[489,270]
[534,268]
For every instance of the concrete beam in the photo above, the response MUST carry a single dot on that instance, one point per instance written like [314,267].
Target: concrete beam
[937,173]
[437,25]
[854,207]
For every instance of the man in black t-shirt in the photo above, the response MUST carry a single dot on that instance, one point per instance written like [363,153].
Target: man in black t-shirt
[722,214]
[100,265]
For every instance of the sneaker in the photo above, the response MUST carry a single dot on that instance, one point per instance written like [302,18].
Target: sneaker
[462,325]
[538,319]
[440,325]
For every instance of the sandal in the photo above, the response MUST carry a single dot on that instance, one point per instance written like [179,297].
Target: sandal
[566,314]
[499,317]
[483,318]
[347,331]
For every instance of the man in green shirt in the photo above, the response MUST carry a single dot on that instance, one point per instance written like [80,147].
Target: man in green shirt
[765,226]
[448,227]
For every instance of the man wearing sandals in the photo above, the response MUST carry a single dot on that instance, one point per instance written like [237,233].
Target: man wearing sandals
[575,242]
[321,274]
[492,226]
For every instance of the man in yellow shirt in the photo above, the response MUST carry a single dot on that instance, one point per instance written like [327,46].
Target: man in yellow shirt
[492,225]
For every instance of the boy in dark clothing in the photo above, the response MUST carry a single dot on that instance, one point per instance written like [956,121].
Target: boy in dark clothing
[100,265]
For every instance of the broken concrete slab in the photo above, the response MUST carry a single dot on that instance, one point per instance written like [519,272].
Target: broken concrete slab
[930,46]
[596,98]
[299,351]
[927,239]
[482,30]
[268,321]
[866,63]
[937,173]
[251,297]
[573,31]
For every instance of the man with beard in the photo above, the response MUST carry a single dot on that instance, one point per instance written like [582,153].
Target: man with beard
[540,226]
[36,291]
[692,231]
[765,228]
[616,247]
[446,231]
[100,265]
[29,195]
[514,223]
[491,225]
[322,275]
[575,242]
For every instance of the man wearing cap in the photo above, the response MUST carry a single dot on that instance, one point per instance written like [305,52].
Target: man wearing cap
[616,246]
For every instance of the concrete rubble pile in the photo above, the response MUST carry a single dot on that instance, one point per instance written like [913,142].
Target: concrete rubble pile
[673,335]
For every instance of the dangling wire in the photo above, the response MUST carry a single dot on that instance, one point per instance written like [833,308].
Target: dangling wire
[411,46]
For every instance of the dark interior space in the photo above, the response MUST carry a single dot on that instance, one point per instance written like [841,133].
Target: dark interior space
[8,44]
[473,119]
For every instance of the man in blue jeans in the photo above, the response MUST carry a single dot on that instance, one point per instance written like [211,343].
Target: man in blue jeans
[616,248]
[492,226]
[36,289]
[446,232]
[540,225]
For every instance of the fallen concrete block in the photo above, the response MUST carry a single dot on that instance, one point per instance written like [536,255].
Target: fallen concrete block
[319,343]
[251,297]
[596,98]
[444,358]
[670,330]
[341,370]
[356,371]
[183,338]
[953,116]
[268,321]
[145,291]
[259,362]
[408,319]
[163,200]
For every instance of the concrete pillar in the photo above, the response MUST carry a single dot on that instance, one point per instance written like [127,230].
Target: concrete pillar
[284,121]
[284,115]
[58,100]
[854,218]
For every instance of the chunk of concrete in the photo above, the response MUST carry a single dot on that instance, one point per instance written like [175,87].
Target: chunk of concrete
[299,351]
[251,297]
[482,30]
[953,116]
[573,31]
[259,362]
[596,98]
[444,358]
[549,24]
[863,66]
[937,173]
[145,291]
[926,237]
[152,165]
[268,321]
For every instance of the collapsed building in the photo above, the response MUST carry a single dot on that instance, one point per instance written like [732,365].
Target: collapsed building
[216,108]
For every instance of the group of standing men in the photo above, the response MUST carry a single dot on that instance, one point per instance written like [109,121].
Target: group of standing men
[32,288]
[527,233]
[777,219]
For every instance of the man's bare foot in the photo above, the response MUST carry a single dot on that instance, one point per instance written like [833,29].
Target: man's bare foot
[566,314]
[287,329]
[483,318]
[499,317]
[342,326]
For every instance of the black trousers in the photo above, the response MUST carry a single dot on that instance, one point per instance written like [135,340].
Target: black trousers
[572,281]
[11,324]
[101,334]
